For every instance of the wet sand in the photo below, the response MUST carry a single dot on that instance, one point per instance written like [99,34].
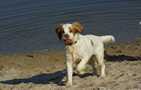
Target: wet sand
[46,70]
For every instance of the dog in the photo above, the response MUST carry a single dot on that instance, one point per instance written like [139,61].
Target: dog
[80,49]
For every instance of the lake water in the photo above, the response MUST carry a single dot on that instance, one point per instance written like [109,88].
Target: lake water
[29,25]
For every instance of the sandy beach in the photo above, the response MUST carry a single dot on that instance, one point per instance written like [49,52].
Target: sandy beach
[45,70]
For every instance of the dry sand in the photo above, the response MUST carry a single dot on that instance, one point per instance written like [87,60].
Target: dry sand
[45,70]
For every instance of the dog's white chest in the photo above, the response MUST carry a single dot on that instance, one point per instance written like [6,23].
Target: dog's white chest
[76,55]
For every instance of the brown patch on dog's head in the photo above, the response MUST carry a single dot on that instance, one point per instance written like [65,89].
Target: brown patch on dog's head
[60,31]
[92,43]
[77,27]
[72,30]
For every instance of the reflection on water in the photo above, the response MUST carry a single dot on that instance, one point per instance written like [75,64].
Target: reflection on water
[29,25]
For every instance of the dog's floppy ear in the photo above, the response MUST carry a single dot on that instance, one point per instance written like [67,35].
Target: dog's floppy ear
[77,27]
[59,31]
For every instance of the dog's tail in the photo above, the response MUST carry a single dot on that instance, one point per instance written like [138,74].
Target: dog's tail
[107,38]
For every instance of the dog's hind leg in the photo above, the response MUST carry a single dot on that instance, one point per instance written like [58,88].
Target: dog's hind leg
[100,60]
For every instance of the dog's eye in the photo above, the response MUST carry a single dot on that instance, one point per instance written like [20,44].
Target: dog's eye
[70,31]
[62,31]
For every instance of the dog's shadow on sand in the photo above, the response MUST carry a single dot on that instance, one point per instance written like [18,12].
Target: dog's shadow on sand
[51,78]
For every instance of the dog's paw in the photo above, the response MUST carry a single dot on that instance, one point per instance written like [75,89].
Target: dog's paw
[102,76]
[68,84]
[80,72]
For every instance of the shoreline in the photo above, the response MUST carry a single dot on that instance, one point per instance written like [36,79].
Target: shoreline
[47,70]
[129,41]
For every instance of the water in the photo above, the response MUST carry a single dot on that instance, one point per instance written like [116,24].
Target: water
[29,25]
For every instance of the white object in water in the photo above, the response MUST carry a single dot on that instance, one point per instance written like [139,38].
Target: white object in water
[140,23]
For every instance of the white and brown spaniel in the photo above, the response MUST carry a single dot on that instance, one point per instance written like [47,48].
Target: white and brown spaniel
[80,49]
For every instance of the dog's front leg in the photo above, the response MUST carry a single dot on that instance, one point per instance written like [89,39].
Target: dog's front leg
[81,66]
[69,69]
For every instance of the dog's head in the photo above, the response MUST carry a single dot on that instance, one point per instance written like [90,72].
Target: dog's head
[68,32]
